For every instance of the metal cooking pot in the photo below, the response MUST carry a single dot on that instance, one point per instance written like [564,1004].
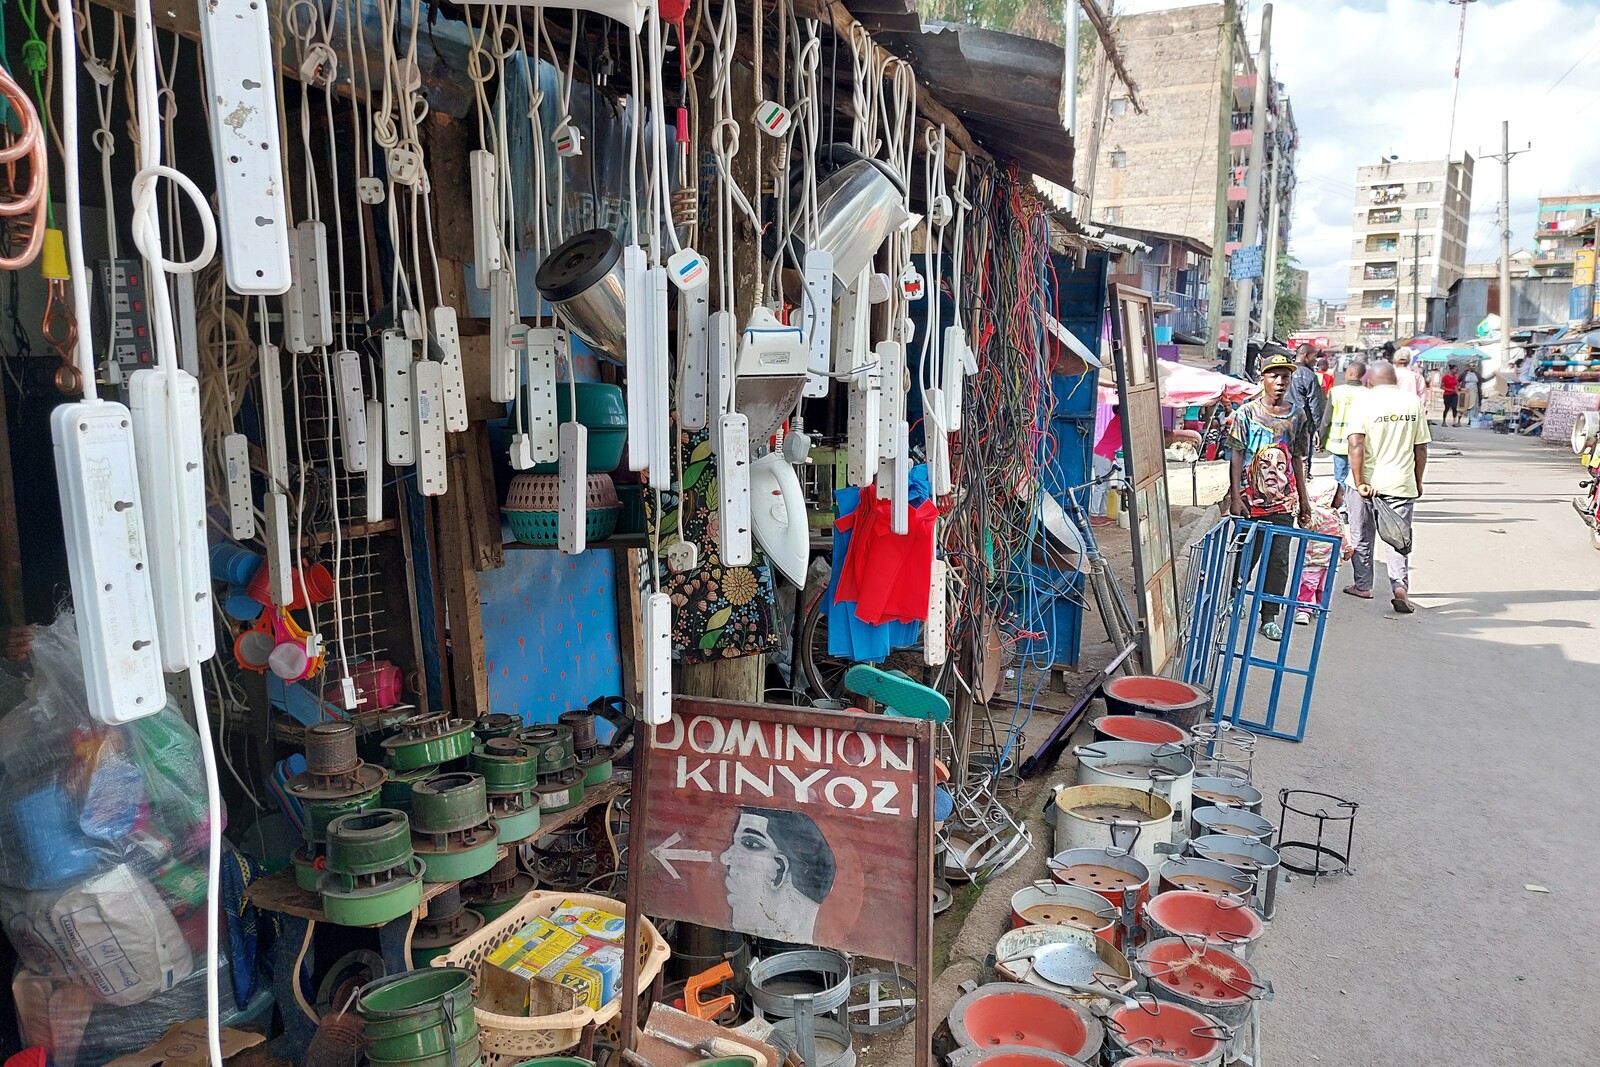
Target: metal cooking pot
[1217,919]
[1139,728]
[1010,1056]
[1024,1015]
[1211,790]
[1094,816]
[1160,769]
[1167,699]
[1107,871]
[1181,1034]
[1201,978]
[1207,876]
[1235,822]
[583,280]
[1015,952]
[1047,903]
[1259,861]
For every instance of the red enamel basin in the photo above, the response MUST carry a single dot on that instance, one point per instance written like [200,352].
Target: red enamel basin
[1171,1030]
[1008,1013]
[1220,920]
[1139,728]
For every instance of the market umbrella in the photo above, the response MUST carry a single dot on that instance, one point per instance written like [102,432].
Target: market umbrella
[1444,353]
[1422,341]
[1185,386]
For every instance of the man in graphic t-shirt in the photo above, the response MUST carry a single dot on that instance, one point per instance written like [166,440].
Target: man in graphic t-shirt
[1388,455]
[1269,442]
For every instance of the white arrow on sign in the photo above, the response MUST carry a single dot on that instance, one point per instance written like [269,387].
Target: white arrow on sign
[665,854]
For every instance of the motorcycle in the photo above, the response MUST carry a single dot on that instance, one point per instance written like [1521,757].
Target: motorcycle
[1586,443]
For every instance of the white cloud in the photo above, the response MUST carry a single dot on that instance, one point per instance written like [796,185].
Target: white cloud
[1371,78]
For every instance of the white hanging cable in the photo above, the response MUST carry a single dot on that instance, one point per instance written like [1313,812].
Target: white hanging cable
[103,74]
[147,237]
[724,147]
[933,174]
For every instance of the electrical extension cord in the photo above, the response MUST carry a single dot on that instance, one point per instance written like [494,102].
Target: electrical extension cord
[539,420]
[308,318]
[572,511]
[375,462]
[635,289]
[659,425]
[427,397]
[502,320]
[448,333]
[398,430]
[694,360]
[352,404]
[861,442]
[279,545]
[723,356]
[485,228]
[236,468]
[935,647]
[818,313]
[269,365]
[733,484]
[657,688]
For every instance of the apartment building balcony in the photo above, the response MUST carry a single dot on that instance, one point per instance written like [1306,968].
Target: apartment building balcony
[1244,82]
[1385,244]
[1239,138]
[1379,216]
[1379,274]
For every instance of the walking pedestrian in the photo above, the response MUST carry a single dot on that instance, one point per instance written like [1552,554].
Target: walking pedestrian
[1388,454]
[1450,389]
[1305,391]
[1269,444]
[1319,563]
[1408,379]
[1471,381]
[1341,412]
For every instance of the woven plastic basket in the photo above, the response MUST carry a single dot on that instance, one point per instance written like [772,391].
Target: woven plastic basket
[533,510]
[508,1040]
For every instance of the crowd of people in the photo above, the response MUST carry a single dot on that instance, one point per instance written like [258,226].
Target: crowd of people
[1373,423]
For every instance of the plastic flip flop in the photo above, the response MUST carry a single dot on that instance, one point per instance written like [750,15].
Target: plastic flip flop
[896,691]
[1401,605]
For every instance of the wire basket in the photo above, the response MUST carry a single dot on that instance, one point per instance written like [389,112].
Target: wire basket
[532,508]
[508,1040]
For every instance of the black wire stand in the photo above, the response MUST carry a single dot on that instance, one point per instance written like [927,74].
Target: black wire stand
[1323,809]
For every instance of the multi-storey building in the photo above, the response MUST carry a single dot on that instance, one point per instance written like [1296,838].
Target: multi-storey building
[1409,245]
[1562,228]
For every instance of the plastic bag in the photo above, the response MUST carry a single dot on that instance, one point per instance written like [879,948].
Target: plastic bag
[103,835]
[1393,527]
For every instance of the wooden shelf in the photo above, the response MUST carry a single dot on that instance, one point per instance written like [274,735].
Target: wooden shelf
[279,892]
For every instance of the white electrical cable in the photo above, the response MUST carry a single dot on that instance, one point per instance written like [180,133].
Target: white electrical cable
[147,237]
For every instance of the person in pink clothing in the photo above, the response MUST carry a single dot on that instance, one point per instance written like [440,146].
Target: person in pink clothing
[1319,564]
[1408,379]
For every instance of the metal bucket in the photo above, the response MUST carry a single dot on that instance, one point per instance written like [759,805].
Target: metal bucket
[1203,875]
[1218,920]
[415,1015]
[1212,790]
[830,1038]
[1010,1013]
[1231,821]
[1167,699]
[1014,963]
[1253,858]
[1160,769]
[775,981]
[1205,979]
[1107,871]
[1097,816]
[1053,904]
[1182,1035]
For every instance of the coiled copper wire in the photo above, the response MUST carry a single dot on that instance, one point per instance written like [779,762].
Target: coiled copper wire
[29,144]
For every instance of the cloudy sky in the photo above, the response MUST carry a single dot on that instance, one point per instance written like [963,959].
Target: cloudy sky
[1371,78]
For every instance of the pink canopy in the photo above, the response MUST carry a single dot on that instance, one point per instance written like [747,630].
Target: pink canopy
[1185,386]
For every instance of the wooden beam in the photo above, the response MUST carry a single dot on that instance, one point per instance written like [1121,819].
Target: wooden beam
[1108,41]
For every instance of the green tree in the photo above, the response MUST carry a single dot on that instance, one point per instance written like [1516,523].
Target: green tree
[1290,311]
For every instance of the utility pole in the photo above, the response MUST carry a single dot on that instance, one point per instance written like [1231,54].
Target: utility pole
[1244,288]
[1269,290]
[1219,230]
[1069,87]
[1504,158]
[1416,260]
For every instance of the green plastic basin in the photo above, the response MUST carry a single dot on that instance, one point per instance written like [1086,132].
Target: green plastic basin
[603,409]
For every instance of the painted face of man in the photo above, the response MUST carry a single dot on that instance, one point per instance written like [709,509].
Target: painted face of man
[1272,472]
[756,869]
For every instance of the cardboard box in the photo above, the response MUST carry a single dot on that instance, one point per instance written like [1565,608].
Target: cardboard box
[592,968]
[589,922]
[185,1045]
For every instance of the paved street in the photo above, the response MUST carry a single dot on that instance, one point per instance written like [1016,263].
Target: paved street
[1468,733]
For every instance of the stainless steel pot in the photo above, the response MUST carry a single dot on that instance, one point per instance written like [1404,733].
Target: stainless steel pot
[1211,790]
[583,280]
[1097,816]
[1259,861]
[1235,822]
[1207,876]
[1200,978]
[1160,769]
[1181,1034]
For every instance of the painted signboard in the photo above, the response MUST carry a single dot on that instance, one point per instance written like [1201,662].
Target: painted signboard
[803,826]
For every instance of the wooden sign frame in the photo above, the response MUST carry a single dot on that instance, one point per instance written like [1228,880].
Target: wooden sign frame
[850,812]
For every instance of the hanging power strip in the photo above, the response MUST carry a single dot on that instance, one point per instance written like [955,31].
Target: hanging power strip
[308,318]
[240,72]
[485,222]
[938,443]
[184,318]
[660,409]
[427,395]
[635,293]
[935,646]
[572,513]
[279,546]
[694,354]
[891,381]
[733,482]
[545,345]
[241,506]
[181,581]
[502,321]
[455,382]
[657,686]
[97,478]
[818,318]
[352,404]
[723,355]
[128,317]
[375,462]
[852,351]
[955,354]
[900,482]
[861,448]
[269,363]
[399,438]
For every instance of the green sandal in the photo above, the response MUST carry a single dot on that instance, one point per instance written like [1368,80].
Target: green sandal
[898,693]
[1271,631]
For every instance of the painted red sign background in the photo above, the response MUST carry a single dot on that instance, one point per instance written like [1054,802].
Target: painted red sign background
[799,825]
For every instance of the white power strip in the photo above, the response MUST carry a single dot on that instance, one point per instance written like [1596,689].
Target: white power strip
[891,381]
[937,443]
[352,404]
[241,76]
[818,319]
[657,683]
[861,444]
[694,355]
[180,580]
[375,463]
[280,548]
[539,398]
[733,485]
[399,437]
[852,351]
[270,366]
[502,321]
[935,646]
[241,505]
[185,320]
[427,393]
[724,353]
[635,289]
[572,497]
[485,217]
[660,405]
[955,354]
[448,332]
[99,486]
[308,317]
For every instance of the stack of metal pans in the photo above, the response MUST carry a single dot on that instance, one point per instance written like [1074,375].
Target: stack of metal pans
[372,873]
[560,784]
[448,921]
[335,782]
[451,828]
[428,740]
[594,759]
[510,770]
[505,884]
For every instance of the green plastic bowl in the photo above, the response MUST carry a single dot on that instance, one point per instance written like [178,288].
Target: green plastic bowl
[603,409]
[543,527]
[408,1019]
